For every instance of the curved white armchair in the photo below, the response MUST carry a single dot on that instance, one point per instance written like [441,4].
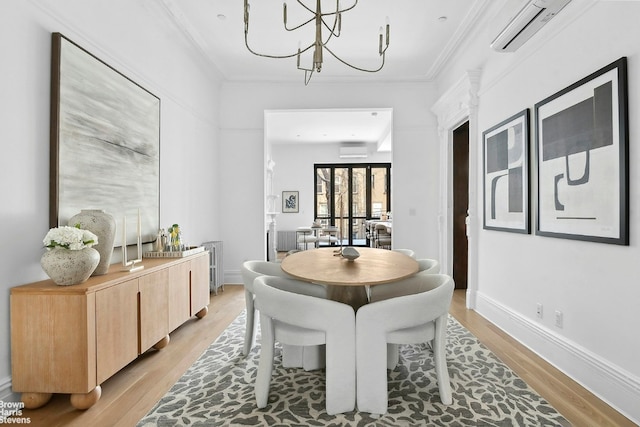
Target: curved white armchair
[430,265]
[303,320]
[418,317]
[407,252]
[250,270]
[403,287]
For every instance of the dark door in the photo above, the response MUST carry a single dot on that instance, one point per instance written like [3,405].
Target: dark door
[460,204]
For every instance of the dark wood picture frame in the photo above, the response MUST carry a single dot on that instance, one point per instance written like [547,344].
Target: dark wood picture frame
[505,148]
[104,142]
[582,146]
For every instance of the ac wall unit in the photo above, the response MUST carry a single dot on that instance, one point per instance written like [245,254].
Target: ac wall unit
[533,16]
[353,152]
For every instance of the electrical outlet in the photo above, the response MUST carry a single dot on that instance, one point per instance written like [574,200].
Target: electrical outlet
[558,318]
[539,311]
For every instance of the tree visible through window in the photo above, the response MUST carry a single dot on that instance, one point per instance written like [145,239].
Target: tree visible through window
[349,194]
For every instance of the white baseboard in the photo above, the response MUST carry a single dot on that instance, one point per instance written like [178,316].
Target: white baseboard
[613,385]
[232,277]
[6,394]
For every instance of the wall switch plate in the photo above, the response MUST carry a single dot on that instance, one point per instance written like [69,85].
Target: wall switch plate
[539,311]
[558,318]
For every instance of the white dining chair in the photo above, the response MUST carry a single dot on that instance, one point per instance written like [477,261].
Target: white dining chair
[289,316]
[311,357]
[249,271]
[428,264]
[407,252]
[418,316]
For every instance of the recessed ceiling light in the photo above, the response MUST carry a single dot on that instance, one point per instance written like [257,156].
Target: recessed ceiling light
[442,18]
[222,17]
[374,114]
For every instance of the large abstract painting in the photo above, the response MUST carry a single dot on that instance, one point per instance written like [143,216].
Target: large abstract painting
[582,158]
[105,142]
[506,175]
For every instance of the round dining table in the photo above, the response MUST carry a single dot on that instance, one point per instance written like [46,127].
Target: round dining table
[347,279]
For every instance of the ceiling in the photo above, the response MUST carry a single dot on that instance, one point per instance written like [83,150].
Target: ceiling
[423,36]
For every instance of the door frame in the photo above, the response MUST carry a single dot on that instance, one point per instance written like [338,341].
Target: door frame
[457,105]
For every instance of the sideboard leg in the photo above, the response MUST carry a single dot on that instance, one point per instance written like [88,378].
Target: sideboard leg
[162,343]
[202,313]
[86,401]
[35,400]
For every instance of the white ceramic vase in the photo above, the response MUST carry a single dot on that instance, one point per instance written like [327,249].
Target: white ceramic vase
[102,225]
[66,267]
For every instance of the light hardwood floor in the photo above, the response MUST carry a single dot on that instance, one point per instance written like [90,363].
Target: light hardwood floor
[130,394]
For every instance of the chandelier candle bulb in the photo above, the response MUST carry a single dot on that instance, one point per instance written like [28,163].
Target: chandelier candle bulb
[387,31]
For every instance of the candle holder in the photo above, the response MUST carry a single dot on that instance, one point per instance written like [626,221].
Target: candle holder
[134,264]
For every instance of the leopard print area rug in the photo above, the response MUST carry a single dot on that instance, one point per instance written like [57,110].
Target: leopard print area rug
[217,390]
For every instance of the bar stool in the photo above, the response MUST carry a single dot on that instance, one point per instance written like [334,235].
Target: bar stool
[304,236]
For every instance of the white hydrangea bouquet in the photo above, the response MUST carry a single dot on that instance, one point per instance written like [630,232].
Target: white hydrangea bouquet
[73,238]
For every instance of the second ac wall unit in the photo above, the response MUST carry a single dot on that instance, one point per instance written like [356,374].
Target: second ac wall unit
[533,16]
[353,152]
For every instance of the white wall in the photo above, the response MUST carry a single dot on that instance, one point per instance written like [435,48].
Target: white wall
[415,155]
[593,284]
[133,40]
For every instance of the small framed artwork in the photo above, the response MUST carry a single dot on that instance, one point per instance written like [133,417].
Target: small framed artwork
[290,202]
[506,175]
[582,159]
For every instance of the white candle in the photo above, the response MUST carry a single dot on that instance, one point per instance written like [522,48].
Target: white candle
[139,242]
[124,241]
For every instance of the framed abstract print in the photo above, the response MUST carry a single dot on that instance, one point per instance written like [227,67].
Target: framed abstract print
[582,159]
[505,149]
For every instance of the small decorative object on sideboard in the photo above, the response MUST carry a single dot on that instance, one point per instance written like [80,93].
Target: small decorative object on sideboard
[133,264]
[161,241]
[191,250]
[175,235]
[70,258]
[174,246]
[103,225]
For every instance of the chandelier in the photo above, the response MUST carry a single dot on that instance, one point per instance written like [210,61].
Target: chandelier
[329,21]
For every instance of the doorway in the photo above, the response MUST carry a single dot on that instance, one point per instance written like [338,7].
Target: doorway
[460,204]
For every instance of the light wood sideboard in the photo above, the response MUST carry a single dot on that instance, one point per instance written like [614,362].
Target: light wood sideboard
[70,339]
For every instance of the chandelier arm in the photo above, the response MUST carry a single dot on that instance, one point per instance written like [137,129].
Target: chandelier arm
[246,43]
[299,26]
[355,67]
[341,10]
[305,6]
[331,29]
[307,79]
